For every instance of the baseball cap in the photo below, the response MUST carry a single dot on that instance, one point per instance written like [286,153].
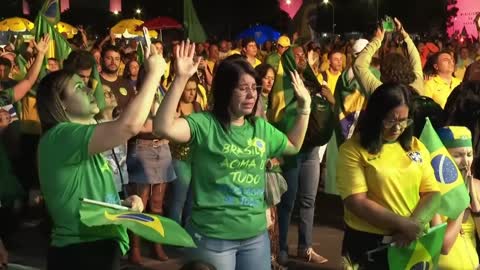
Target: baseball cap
[284,41]
[359,45]
[455,136]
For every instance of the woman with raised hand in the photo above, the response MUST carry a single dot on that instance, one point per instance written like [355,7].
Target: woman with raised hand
[71,165]
[229,148]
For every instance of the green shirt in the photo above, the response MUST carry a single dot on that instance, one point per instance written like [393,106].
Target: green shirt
[228,169]
[6,97]
[67,173]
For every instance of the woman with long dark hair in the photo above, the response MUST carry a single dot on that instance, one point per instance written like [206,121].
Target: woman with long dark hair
[385,179]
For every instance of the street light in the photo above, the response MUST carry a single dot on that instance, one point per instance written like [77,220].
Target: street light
[326,2]
[138,11]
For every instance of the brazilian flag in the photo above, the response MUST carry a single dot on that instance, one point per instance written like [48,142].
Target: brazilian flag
[155,228]
[283,109]
[455,197]
[45,23]
[422,254]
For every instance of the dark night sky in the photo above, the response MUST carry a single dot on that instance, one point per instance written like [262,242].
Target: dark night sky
[228,17]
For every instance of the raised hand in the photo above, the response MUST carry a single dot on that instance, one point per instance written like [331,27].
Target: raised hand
[380,33]
[185,66]
[42,45]
[155,62]
[303,95]
[398,25]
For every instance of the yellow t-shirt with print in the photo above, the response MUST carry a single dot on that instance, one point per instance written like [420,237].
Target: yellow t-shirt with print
[439,90]
[392,178]
[463,254]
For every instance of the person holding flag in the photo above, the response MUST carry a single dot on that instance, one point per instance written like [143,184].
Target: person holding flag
[459,245]
[71,165]
[385,179]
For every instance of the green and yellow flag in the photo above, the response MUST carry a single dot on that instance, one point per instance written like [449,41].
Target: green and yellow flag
[282,111]
[454,192]
[45,22]
[193,27]
[155,228]
[422,254]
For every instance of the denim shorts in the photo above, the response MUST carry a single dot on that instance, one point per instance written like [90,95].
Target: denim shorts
[149,165]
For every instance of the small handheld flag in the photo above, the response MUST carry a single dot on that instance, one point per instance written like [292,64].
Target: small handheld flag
[454,192]
[151,227]
[422,254]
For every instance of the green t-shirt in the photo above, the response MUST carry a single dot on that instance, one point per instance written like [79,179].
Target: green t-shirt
[67,173]
[6,97]
[228,175]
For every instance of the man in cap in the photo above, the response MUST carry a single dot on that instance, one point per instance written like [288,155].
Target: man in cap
[283,43]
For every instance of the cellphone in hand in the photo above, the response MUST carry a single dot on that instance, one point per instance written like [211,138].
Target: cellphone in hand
[147,40]
[388,24]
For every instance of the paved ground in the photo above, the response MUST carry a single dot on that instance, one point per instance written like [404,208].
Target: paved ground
[29,249]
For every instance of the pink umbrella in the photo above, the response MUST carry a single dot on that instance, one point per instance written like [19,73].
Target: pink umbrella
[291,6]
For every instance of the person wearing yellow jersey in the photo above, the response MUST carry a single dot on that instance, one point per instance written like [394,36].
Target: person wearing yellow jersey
[441,85]
[459,246]
[331,75]
[385,179]
[250,49]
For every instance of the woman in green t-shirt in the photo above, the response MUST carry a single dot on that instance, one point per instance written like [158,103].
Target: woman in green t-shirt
[229,148]
[71,165]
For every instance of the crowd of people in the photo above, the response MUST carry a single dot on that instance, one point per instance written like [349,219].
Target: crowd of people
[225,140]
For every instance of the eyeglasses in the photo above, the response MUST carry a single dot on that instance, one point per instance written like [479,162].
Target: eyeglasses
[252,88]
[403,123]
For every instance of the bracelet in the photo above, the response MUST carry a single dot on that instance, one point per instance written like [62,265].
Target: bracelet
[304,111]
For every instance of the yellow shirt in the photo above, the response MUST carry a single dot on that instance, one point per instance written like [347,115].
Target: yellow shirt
[30,121]
[439,90]
[210,66]
[392,178]
[331,79]
[463,254]
[202,97]
[257,62]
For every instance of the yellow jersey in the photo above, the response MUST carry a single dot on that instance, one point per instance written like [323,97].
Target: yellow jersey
[439,90]
[463,254]
[393,178]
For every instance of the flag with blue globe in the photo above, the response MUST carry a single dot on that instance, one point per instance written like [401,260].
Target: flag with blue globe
[422,254]
[454,192]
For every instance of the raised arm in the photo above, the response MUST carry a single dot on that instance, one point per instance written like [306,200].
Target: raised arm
[361,66]
[22,87]
[413,57]
[296,135]
[166,124]
[110,134]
